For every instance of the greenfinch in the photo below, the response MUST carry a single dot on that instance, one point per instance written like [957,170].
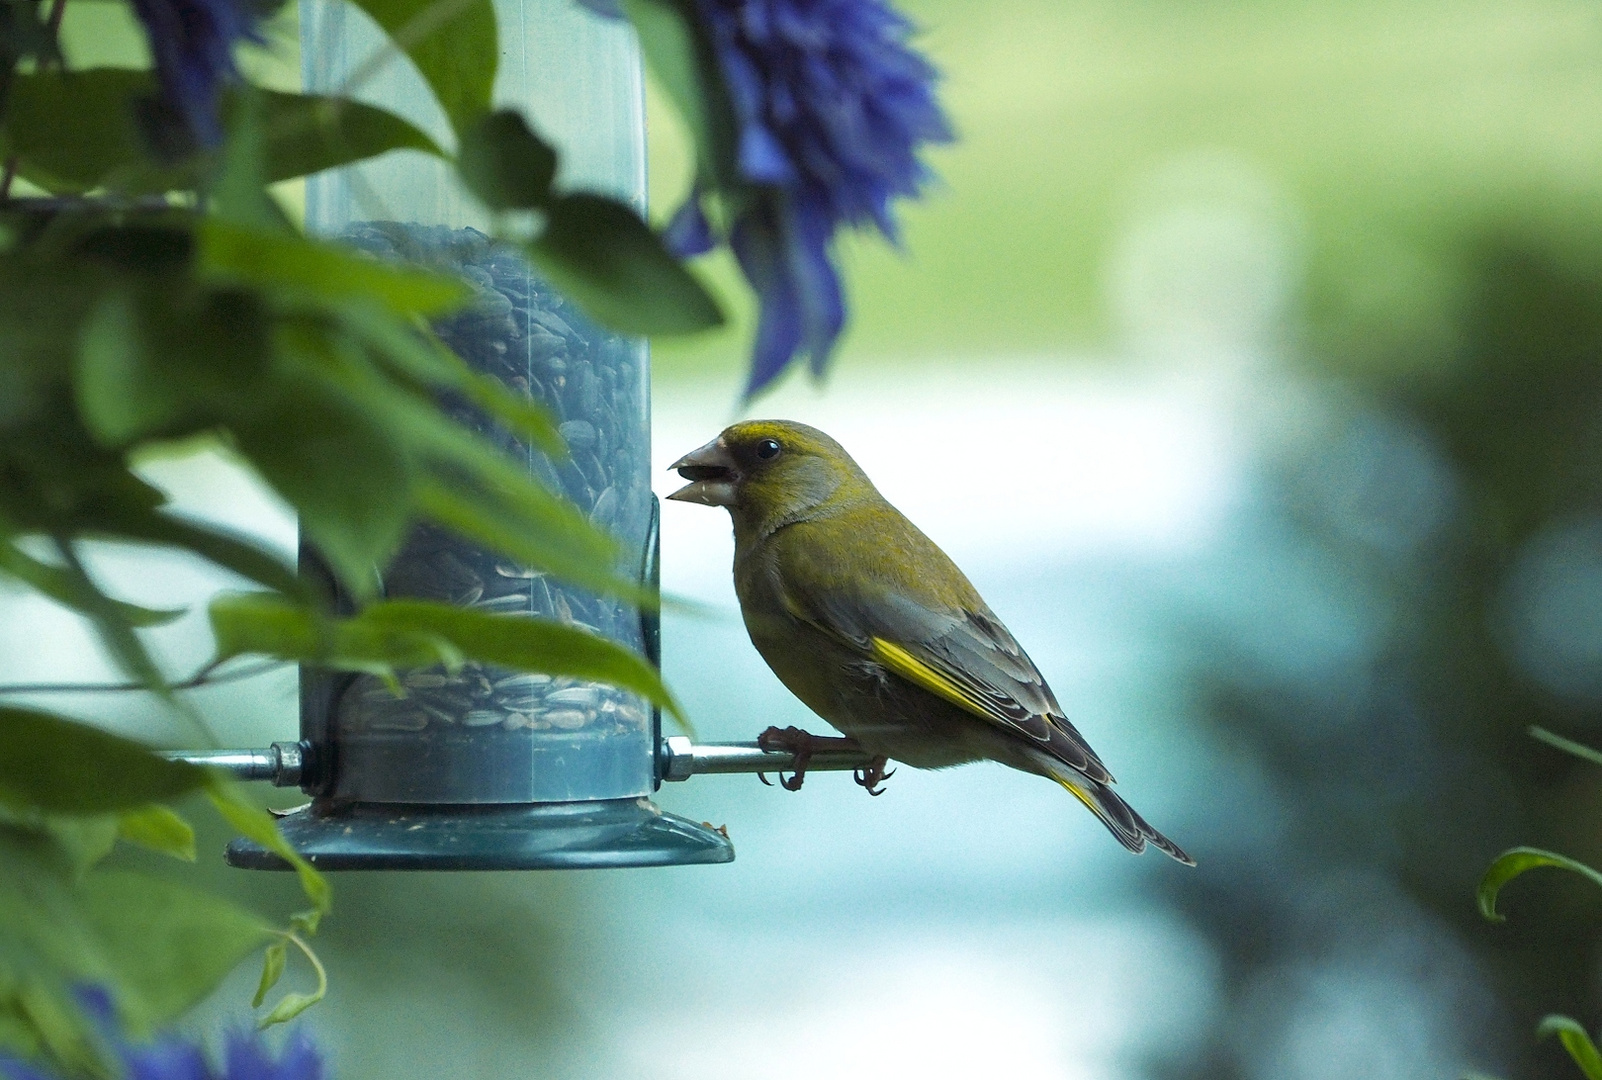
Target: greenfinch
[875,629]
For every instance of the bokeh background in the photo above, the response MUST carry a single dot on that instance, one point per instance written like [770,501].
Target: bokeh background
[1248,356]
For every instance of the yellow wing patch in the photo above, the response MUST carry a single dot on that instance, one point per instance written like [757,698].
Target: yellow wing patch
[1080,795]
[915,671]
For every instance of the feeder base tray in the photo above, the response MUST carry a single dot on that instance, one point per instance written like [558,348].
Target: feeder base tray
[523,836]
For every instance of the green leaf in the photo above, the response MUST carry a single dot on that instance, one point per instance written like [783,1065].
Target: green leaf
[1576,1041]
[307,133]
[272,969]
[289,1007]
[40,927]
[159,828]
[563,543]
[292,1005]
[60,481]
[524,644]
[452,43]
[157,946]
[682,59]
[44,948]
[329,458]
[417,354]
[168,944]
[414,633]
[239,192]
[42,305]
[256,824]
[1579,750]
[1510,864]
[73,131]
[85,840]
[66,589]
[466,482]
[505,164]
[38,1020]
[262,623]
[267,259]
[63,767]
[76,131]
[600,254]
[158,364]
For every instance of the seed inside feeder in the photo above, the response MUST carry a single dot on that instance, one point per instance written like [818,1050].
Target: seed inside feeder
[520,332]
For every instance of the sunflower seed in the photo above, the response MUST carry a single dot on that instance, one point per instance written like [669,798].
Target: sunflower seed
[605,508]
[517,601]
[441,715]
[587,697]
[522,681]
[579,434]
[567,719]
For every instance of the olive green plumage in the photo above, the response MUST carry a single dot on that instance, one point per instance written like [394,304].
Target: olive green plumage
[875,629]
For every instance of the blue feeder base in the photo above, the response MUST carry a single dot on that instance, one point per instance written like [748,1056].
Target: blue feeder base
[598,835]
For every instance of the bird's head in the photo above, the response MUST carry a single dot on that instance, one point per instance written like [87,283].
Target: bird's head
[767,469]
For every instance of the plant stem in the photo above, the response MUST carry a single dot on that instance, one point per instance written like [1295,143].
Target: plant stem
[1579,750]
[201,678]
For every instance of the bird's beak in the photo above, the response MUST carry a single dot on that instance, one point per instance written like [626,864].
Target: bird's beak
[712,475]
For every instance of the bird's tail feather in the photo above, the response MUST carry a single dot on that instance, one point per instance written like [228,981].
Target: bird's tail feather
[1121,820]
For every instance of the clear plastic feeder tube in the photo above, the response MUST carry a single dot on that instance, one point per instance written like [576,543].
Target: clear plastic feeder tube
[480,734]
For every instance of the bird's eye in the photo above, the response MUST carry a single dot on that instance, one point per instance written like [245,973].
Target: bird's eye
[767,449]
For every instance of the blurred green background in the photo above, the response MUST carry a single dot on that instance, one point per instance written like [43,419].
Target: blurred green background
[1247,357]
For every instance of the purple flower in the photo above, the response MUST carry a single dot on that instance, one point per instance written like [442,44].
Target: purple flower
[833,107]
[193,42]
[172,1058]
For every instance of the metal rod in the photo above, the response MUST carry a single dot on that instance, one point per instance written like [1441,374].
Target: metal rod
[280,764]
[283,763]
[682,759]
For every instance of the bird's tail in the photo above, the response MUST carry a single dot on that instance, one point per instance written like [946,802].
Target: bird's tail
[1121,820]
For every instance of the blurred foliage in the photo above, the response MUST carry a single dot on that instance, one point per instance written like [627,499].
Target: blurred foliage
[68,793]
[154,296]
[1403,756]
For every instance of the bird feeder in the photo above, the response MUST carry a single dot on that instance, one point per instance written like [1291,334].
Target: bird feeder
[477,767]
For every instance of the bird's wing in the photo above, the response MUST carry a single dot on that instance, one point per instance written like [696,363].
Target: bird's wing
[966,657]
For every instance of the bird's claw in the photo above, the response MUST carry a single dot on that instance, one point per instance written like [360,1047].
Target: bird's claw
[791,740]
[794,741]
[801,745]
[872,777]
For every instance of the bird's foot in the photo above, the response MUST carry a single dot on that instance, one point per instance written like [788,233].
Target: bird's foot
[801,745]
[873,776]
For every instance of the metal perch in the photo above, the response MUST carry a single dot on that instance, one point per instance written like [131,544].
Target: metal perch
[284,763]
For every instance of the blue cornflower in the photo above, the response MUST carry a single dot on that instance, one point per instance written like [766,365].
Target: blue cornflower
[170,1058]
[833,107]
[192,42]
